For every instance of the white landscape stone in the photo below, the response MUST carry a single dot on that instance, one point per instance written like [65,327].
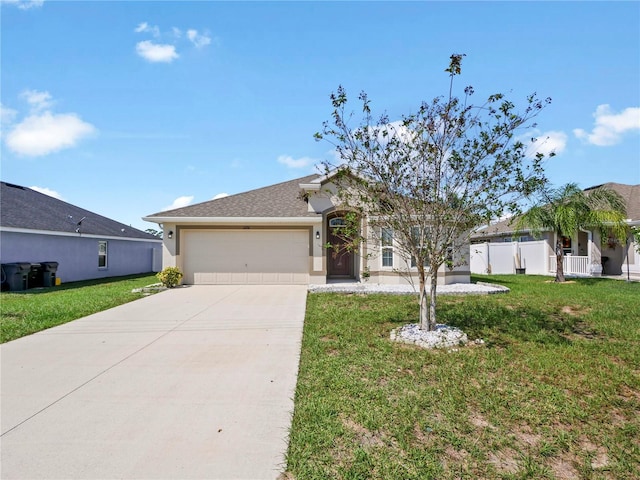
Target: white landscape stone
[442,337]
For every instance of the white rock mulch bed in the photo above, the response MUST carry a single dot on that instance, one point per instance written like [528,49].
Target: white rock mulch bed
[149,289]
[442,337]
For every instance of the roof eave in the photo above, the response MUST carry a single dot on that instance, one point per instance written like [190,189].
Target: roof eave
[59,233]
[238,220]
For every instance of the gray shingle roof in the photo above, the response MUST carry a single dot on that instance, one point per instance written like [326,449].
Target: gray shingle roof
[279,200]
[21,207]
[629,193]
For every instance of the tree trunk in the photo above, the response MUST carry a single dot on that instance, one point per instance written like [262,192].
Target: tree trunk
[559,262]
[427,302]
[432,301]
[424,304]
[424,309]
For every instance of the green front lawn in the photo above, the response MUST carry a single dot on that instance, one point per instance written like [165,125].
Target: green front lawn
[553,393]
[24,313]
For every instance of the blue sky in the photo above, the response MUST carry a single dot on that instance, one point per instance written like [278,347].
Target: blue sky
[129,108]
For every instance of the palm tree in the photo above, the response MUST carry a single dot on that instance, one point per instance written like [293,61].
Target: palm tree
[567,209]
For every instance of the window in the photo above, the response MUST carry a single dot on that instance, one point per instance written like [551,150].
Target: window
[102,254]
[414,263]
[417,233]
[387,247]
[337,222]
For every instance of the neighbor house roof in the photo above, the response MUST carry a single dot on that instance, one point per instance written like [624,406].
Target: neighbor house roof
[629,193]
[24,208]
[282,200]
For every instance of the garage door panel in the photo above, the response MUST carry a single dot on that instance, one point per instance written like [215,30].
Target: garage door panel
[246,257]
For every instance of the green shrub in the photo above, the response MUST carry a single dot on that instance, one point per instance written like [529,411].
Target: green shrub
[170,276]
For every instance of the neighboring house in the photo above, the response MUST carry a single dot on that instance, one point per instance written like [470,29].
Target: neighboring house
[38,228]
[498,248]
[276,235]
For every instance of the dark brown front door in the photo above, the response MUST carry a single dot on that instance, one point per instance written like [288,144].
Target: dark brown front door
[339,259]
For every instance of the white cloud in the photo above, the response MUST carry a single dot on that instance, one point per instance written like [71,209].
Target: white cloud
[393,130]
[180,202]
[46,133]
[37,100]
[47,191]
[7,115]
[24,4]
[176,32]
[301,162]
[546,143]
[199,40]
[42,132]
[156,52]
[334,157]
[144,27]
[220,195]
[609,126]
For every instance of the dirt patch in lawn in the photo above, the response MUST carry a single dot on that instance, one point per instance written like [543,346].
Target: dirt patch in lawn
[527,437]
[477,420]
[504,460]
[563,467]
[575,311]
[364,436]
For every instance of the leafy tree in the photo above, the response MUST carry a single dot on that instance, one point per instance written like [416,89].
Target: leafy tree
[567,209]
[433,175]
[154,232]
[635,231]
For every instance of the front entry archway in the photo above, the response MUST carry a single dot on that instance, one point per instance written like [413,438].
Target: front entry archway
[340,260]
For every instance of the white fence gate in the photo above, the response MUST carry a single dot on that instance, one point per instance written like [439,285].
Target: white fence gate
[500,258]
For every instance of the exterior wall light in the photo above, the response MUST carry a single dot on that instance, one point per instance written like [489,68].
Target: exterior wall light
[170,234]
[317,234]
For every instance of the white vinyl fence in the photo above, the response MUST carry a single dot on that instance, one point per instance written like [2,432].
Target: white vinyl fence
[503,257]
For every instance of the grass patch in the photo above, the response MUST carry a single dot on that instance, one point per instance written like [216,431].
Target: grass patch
[553,394]
[24,313]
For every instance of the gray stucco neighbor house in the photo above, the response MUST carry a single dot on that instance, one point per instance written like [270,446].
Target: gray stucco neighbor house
[38,228]
[278,235]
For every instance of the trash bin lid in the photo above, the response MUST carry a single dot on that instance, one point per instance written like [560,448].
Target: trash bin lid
[16,267]
[49,265]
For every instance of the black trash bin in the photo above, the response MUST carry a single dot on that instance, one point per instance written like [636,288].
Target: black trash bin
[35,276]
[49,270]
[16,275]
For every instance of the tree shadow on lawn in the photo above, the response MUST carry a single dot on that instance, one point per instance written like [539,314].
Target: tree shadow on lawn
[500,324]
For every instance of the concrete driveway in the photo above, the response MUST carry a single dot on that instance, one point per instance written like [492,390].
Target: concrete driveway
[195,382]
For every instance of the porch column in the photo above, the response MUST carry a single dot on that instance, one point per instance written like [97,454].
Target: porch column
[595,260]
[318,249]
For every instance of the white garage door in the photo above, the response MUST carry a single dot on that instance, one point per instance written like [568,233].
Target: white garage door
[245,256]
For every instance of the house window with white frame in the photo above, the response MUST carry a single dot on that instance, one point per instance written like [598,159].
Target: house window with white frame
[415,233]
[386,240]
[102,254]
